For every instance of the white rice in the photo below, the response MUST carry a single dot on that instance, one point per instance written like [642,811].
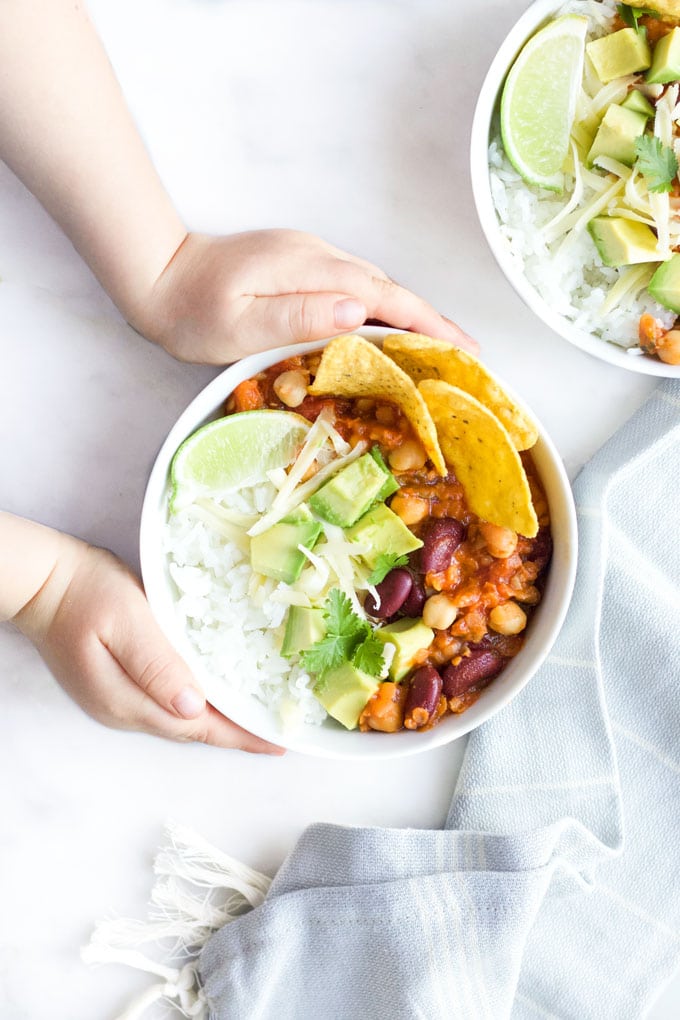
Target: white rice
[231,614]
[567,273]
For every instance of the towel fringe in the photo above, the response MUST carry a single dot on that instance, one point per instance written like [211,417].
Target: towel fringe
[198,890]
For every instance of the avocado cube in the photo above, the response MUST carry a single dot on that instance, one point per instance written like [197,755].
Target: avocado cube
[304,627]
[623,242]
[638,103]
[275,553]
[619,53]
[381,531]
[348,494]
[408,637]
[391,484]
[666,62]
[344,692]
[617,134]
[664,286]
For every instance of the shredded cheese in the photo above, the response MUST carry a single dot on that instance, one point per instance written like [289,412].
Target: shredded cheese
[630,282]
[285,503]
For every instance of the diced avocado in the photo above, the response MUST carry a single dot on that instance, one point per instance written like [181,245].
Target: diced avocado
[409,637]
[304,627]
[275,552]
[348,494]
[344,691]
[622,242]
[638,103]
[664,286]
[391,484]
[619,53]
[617,134]
[666,61]
[381,531]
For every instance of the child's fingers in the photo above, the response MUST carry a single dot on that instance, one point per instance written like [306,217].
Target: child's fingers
[299,317]
[147,657]
[213,728]
[389,302]
[108,693]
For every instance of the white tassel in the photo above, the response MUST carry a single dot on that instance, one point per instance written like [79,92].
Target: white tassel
[199,889]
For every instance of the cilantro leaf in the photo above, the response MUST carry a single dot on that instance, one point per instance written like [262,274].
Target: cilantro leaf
[341,619]
[383,565]
[631,16]
[344,632]
[331,651]
[657,163]
[369,656]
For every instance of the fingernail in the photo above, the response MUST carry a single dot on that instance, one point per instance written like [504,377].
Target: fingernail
[349,312]
[189,703]
[460,338]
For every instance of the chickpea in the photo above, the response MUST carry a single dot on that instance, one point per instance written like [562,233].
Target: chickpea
[411,509]
[507,618]
[291,388]
[668,348]
[439,612]
[408,457]
[501,542]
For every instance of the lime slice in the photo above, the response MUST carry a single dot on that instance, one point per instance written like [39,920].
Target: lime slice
[234,452]
[539,101]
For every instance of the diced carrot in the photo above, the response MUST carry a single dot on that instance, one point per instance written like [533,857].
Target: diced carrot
[248,396]
[650,331]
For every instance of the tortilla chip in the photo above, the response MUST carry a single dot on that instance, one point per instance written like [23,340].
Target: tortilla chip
[353,367]
[421,357]
[480,451]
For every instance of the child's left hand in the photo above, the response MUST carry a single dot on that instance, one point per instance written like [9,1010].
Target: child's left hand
[220,298]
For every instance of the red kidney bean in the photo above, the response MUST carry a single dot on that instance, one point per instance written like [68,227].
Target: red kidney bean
[393,591]
[422,698]
[441,538]
[541,548]
[415,600]
[474,670]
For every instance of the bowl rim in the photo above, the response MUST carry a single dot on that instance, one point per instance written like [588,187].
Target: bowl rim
[321,741]
[535,15]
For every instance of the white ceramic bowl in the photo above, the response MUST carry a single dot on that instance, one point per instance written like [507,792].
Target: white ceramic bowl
[487,104]
[330,740]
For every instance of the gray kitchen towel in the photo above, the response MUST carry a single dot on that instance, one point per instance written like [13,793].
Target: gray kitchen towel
[553,891]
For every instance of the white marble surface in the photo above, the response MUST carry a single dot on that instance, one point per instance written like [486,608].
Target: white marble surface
[345,118]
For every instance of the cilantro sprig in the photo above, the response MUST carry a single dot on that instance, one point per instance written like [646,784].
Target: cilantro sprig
[656,162]
[383,565]
[348,638]
[630,16]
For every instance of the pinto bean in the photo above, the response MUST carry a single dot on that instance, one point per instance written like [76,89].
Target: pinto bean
[441,538]
[422,699]
[393,591]
[415,600]
[474,670]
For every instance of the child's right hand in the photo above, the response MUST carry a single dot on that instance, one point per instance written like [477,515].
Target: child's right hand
[220,298]
[93,626]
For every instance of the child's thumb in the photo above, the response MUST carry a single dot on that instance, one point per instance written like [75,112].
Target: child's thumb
[297,317]
[149,659]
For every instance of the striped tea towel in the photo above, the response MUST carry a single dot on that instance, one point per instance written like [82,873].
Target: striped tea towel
[554,890]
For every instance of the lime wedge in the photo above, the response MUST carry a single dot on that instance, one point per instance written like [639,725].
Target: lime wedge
[234,452]
[539,101]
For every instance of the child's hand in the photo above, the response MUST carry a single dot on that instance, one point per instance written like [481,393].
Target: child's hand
[92,624]
[220,298]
